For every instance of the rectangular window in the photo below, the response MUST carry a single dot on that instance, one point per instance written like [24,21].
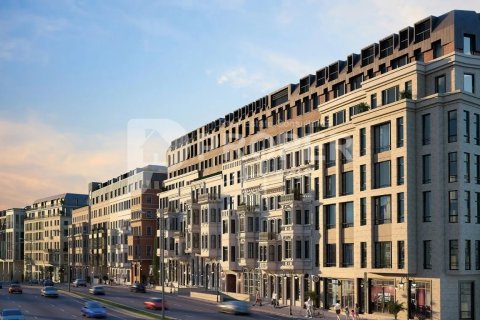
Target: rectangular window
[476,167]
[453,206]
[347,214]
[347,183]
[453,255]
[467,167]
[330,154]
[422,30]
[363,211]
[426,129]
[467,300]
[401,254]
[373,101]
[400,171]
[331,255]
[363,254]
[466,120]
[381,135]
[390,95]
[287,217]
[338,89]
[288,249]
[468,44]
[427,206]
[469,82]
[399,132]
[468,262]
[427,254]
[382,174]
[477,212]
[363,142]
[400,207]
[347,255]
[477,254]
[452,126]
[298,249]
[452,167]
[307,249]
[440,84]
[330,216]
[476,128]
[383,213]
[468,211]
[426,171]
[383,254]
[330,186]
[437,49]
[363,177]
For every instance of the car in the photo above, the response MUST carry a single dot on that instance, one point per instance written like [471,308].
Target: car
[11,314]
[47,283]
[93,309]
[97,290]
[138,287]
[15,288]
[49,292]
[234,306]
[155,303]
[79,283]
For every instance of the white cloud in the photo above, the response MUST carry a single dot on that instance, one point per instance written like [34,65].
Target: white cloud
[239,77]
[38,160]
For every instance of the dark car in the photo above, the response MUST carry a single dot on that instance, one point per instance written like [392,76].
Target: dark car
[48,283]
[138,287]
[93,309]
[15,288]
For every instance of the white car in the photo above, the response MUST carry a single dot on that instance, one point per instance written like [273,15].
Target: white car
[11,314]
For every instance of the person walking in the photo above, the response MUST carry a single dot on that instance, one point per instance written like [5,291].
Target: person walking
[347,313]
[257,299]
[338,308]
[309,307]
[274,299]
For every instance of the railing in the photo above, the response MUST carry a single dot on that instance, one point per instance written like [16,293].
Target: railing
[247,208]
[265,236]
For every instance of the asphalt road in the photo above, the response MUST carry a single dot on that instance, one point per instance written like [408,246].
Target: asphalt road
[34,306]
[179,307]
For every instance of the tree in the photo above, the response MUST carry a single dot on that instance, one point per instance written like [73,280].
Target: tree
[395,307]
[155,262]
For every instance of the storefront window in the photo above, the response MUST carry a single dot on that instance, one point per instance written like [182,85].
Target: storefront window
[333,292]
[381,292]
[342,290]
[421,299]
[348,294]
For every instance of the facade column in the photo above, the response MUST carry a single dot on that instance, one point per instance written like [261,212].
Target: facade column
[301,283]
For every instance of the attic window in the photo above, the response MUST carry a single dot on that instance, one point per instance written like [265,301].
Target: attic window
[368,55]
[333,71]
[321,75]
[386,47]
[304,85]
[404,38]
[422,30]
[280,97]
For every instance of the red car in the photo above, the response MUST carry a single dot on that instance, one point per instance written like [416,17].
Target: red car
[15,288]
[155,303]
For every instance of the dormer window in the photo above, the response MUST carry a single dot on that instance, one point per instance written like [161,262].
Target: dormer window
[368,55]
[422,30]
[304,85]
[386,47]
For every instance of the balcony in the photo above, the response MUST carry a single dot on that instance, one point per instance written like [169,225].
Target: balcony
[249,263]
[266,236]
[208,197]
[247,208]
[269,265]
[297,229]
[296,265]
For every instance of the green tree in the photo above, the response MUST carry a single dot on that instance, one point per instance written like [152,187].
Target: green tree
[395,307]
[155,262]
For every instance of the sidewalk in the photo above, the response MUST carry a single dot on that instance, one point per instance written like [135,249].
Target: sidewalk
[297,312]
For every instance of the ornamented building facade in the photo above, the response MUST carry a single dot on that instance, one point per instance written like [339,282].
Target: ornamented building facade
[11,244]
[360,183]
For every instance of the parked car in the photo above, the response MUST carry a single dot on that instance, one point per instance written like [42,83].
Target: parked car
[93,309]
[49,292]
[138,287]
[155,303]
[15,288]
[11,314]
[234,307]
[47,283]
[97,290]
[79,283]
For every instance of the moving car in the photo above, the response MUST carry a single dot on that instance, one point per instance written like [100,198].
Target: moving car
[97,290]
[234,307]
[155,303]
[79,283]
[15,288]
[11,314]
[93,309]
[138,287]
[49,292]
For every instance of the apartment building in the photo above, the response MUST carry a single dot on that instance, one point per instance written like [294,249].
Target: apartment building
[360,183]
[11,244]
[123,224]
[78,239]
[46,236]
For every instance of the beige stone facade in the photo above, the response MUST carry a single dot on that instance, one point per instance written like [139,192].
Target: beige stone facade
[78,248]
[360,183]
[11,244]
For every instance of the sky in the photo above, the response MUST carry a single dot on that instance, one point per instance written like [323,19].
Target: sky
[81,80]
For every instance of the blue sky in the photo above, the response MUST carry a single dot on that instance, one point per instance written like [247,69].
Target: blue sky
[74,73]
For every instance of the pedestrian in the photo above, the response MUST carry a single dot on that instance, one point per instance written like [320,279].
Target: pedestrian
[274,299]
[353,314]
[338,308]
[357,311]
[257,299]
[347,313]
[309,306]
